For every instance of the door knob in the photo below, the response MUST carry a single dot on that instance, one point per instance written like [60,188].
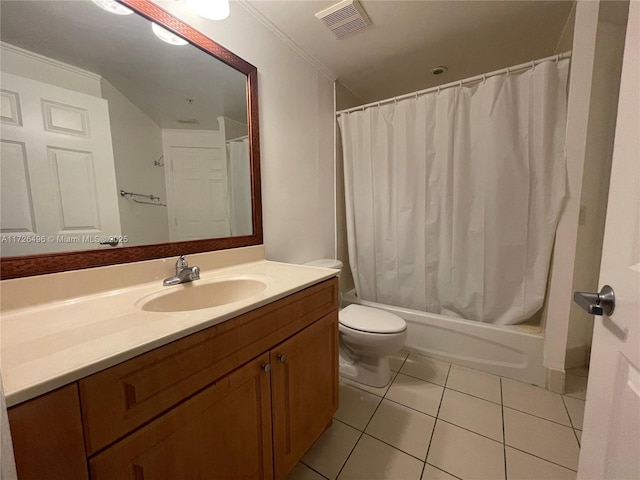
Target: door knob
[282,358]
[266,367]
[596,303]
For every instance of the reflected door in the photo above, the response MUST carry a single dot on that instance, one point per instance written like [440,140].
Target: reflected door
[56,144]
[197,196]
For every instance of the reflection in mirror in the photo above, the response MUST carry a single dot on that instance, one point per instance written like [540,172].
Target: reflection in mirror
[112,137]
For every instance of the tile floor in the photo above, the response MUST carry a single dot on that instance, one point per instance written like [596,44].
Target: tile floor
[437,421]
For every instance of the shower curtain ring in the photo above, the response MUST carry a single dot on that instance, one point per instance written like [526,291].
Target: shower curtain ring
[438,92]
[533,65]
[508,71]
[484,78]
[557,58]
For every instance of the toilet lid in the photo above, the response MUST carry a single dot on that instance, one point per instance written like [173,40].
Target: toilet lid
[368,319]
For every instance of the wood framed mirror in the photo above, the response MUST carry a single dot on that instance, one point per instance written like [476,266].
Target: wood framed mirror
[20,219]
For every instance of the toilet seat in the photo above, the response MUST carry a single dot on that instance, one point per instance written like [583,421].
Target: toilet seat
[371,320]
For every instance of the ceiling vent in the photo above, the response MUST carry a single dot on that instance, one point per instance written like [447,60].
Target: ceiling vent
[344,18]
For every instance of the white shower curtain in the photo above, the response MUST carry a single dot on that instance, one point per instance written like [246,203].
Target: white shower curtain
[453,197]
[239,172]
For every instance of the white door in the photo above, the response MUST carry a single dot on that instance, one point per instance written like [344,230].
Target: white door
[58,185]
[197,190]
[611,436]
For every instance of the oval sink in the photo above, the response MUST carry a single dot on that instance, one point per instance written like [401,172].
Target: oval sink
[196,296]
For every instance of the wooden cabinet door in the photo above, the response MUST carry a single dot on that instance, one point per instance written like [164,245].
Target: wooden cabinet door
[47,437]
[304,389]
[222,432]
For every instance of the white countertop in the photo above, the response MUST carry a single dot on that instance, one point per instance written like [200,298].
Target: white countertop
[50,345]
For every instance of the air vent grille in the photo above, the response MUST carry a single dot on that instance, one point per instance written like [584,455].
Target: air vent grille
[344,18]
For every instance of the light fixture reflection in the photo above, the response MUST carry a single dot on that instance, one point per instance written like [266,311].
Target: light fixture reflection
[211,9]
[112,6]
[166,36]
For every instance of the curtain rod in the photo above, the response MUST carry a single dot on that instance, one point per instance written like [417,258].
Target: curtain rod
[460,83]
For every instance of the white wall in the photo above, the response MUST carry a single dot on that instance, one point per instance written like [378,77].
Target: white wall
[137,142]
[344,99]
[296,135]
[576,244]
[595,181]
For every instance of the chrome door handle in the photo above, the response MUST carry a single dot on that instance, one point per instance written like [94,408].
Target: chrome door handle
[596,303]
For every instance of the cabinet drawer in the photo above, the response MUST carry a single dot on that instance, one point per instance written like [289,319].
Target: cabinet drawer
[222,432]
[120,399]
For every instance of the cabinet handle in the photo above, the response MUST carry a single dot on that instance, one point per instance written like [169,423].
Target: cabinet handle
[266,367]
[282,357]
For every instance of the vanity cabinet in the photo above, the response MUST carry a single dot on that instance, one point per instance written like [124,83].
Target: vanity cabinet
[242,399]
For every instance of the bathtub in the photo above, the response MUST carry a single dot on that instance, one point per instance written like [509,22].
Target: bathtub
[512,351]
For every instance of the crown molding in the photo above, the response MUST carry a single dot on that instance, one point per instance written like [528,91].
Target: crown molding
[287,40]
[49,61]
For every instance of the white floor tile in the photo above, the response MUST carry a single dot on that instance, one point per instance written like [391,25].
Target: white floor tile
[426,368]
[575,386]
[579,435]
[302,472]
[374,460]
[522,466]
[415,393]
[379,391]
[473,382]
[534,400]
[432,473]
[332,449]
[541,438]
[576,411]
[480,416]
[402,427]
[465,454]
[356,406]
[397,360]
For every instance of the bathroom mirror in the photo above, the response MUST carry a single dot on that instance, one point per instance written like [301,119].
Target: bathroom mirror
[118,146]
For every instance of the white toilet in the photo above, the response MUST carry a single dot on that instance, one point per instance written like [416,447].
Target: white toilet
[367,337]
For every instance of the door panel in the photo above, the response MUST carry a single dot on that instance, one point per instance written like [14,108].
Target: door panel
[611,436]
[305,390]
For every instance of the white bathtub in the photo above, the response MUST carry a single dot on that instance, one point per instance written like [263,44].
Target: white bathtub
[511,351]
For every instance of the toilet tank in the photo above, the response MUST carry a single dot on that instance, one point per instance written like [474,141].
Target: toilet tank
[326,263]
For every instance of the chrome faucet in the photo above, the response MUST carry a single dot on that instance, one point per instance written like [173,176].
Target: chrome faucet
[184,273]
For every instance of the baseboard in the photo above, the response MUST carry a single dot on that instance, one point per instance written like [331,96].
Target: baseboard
[576,356]
[555,380]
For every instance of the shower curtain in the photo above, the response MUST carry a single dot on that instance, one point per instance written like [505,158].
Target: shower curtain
[239,198]
[453,197]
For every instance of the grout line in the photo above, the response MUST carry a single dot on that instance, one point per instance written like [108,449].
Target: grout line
[422,379]
[436,422]
[504,434]
[412,408]
[438,468]
[365,427]
[393,446]
[573,427]
[542,458]
[568,414]
[314,470]
[479,398]
[541,418]
[470,431]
